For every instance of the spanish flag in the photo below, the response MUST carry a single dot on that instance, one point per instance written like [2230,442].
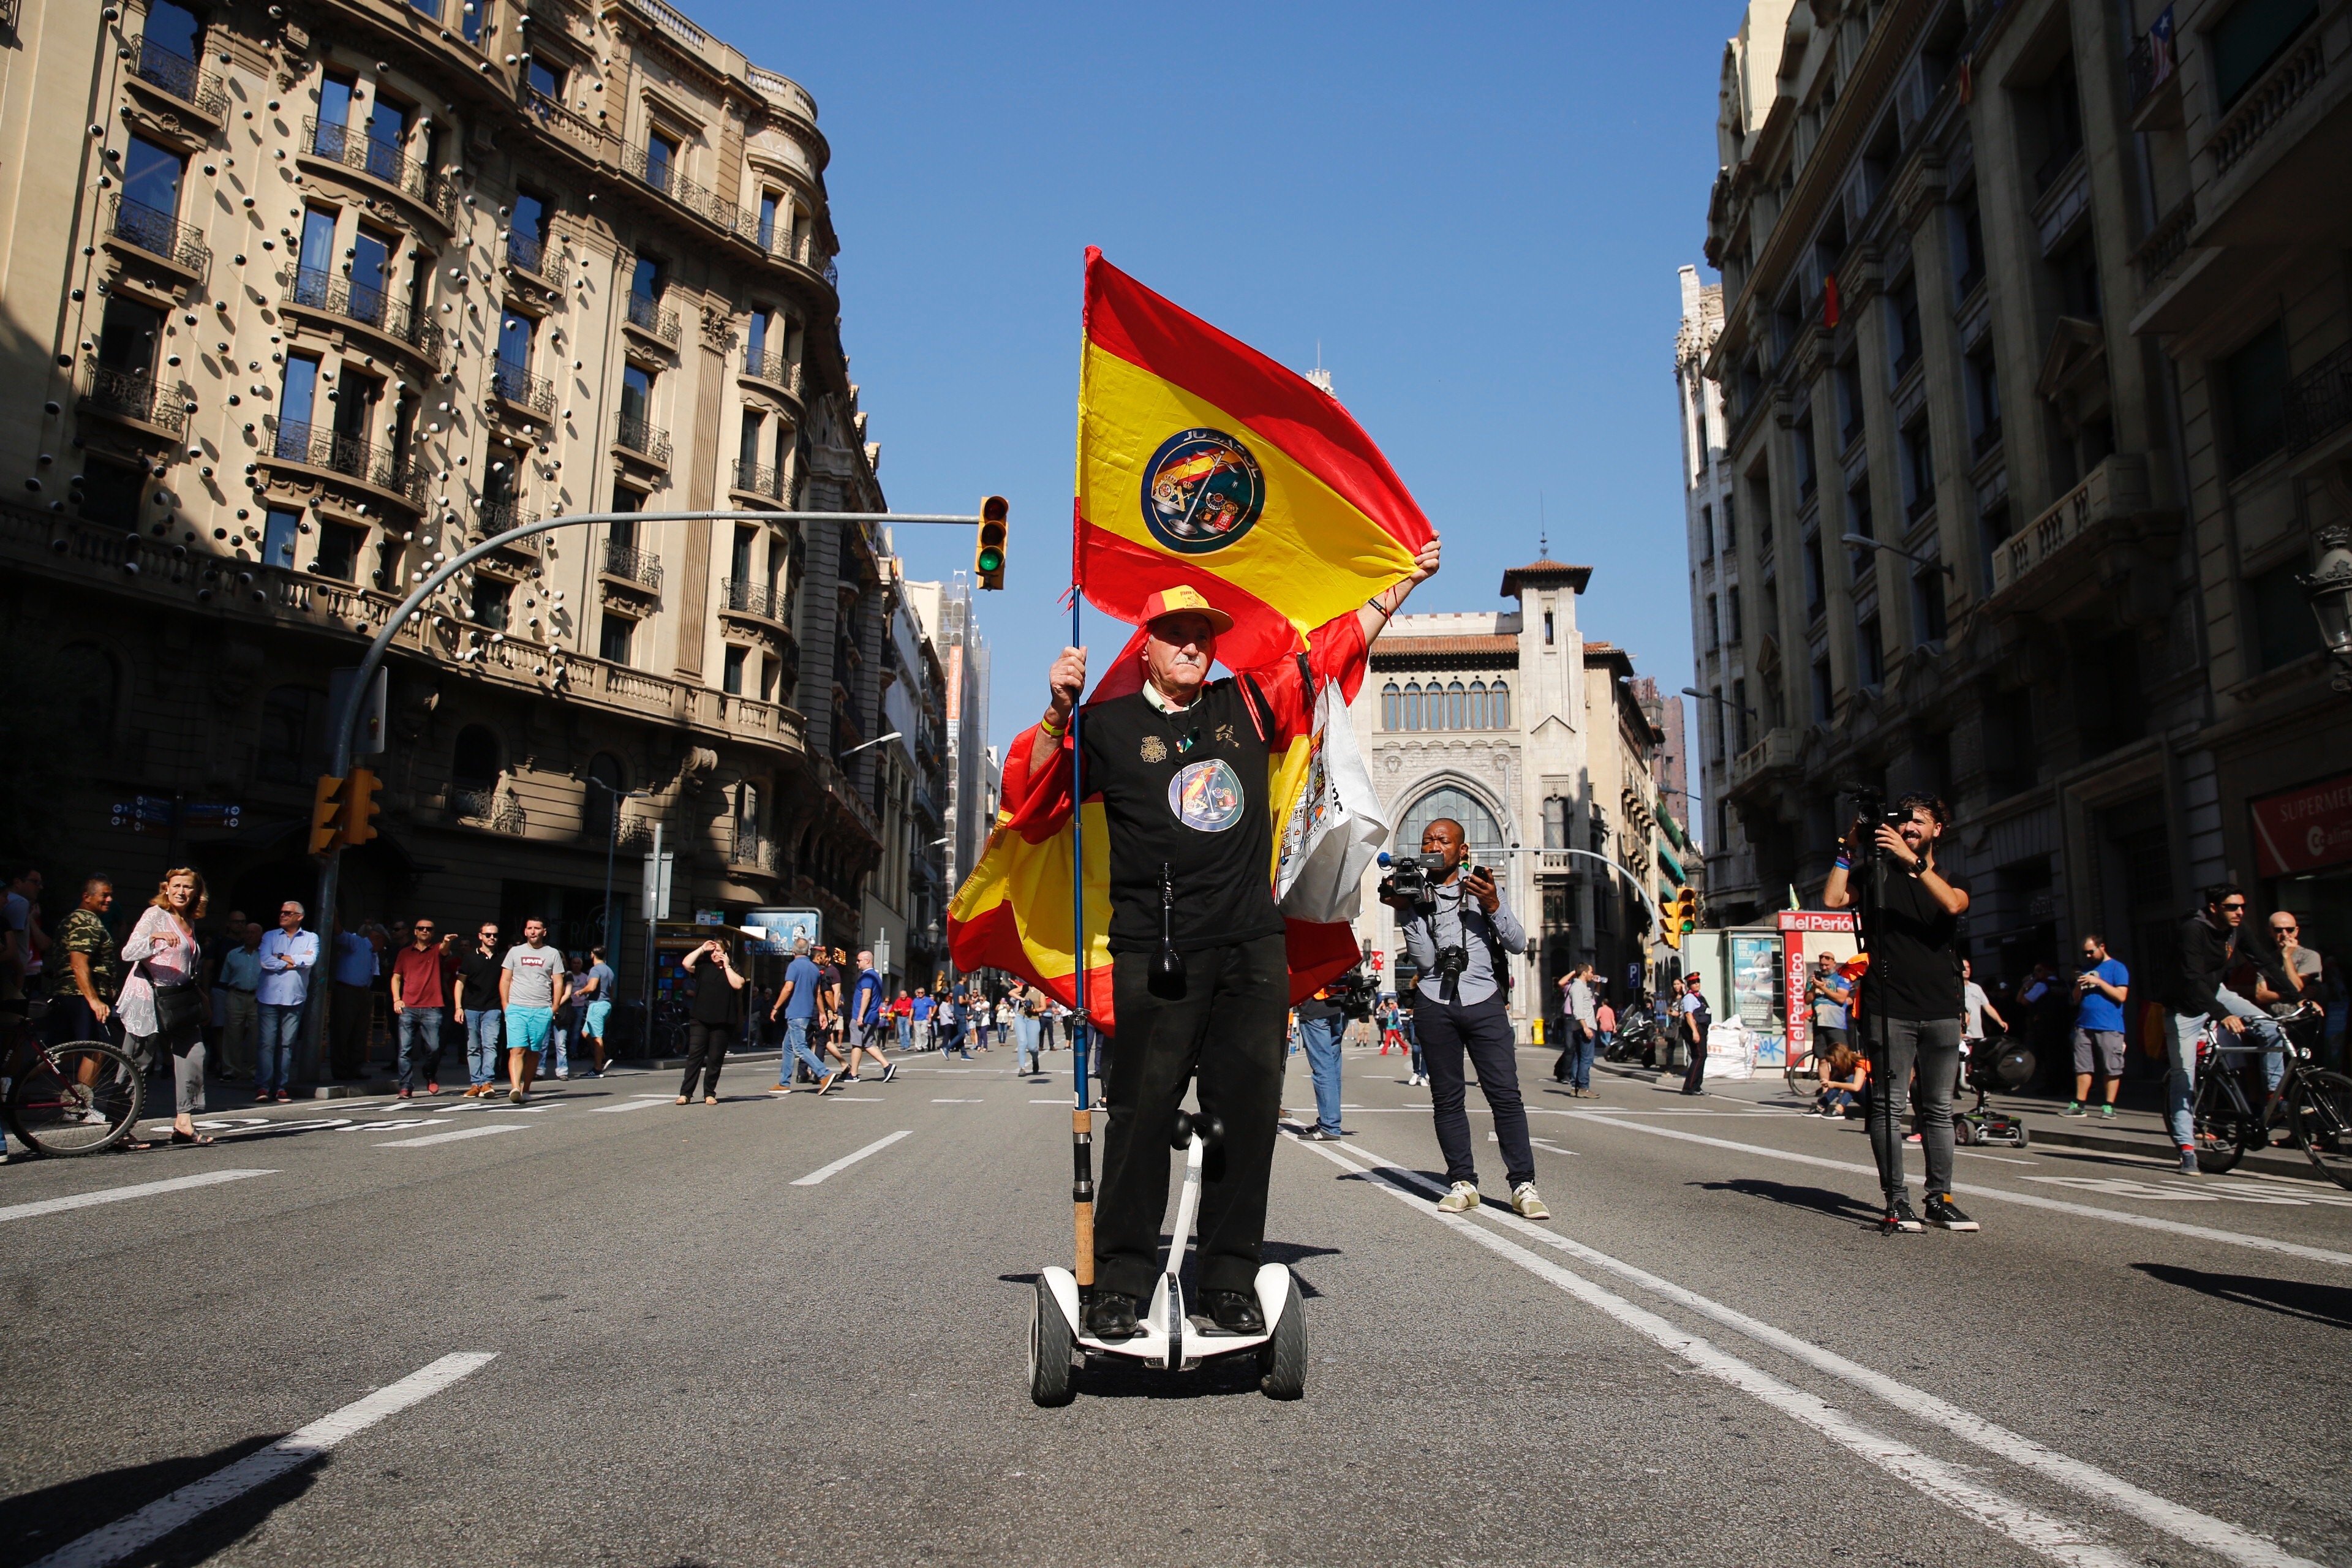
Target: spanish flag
[1203,462]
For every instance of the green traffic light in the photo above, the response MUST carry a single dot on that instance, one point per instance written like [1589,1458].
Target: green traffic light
[992,560]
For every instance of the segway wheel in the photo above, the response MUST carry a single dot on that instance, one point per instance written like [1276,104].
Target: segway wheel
[1053,1380]
[1964,1132]
[1281,1364]
[2022,1137]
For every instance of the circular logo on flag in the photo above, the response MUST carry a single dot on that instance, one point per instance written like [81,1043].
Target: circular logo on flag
[1207,796]
[1201,491]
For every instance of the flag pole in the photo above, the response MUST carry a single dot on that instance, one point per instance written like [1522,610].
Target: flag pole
[1082,1151]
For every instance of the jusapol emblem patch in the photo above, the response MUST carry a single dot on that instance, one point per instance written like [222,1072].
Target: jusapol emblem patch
[1155,749]
[1207,795]
[1202,491]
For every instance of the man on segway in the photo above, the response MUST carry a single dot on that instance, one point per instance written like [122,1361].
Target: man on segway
[1181,767]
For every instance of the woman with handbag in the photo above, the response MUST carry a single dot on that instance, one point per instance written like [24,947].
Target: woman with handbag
[163,1006]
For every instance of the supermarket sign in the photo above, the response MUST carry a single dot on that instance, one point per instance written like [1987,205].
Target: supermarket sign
[2304,829]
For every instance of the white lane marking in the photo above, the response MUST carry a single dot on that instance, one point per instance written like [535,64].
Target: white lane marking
[2059,1540]
[822,1172]
[1054,1102]
[2031,1200]
[959,1102]
[1548,1143]
[2174,1519]
[483,1131]
[117,1194]
[642,1102]
[2003,1159]
[113,1542]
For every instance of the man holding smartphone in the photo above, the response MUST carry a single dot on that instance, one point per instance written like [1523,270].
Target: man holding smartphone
[2099,993]
[1460,1006]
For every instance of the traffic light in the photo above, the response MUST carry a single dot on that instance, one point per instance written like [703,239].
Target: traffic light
[360,807]
[1670,923]
[987,554]
[326,814]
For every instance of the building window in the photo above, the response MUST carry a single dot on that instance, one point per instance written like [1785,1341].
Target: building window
[1478,705]
[284,744]
[1849,401]
[1707,532]
[1479,829]
[613,638]
[1824,694]
[1928,602]
[491,598]
[1739,715]
[1730,528]
[151,179]
[661,159]
[1555,822]
[1457,700]
[2254,393]
[1967,247]
[636,397]
[1982,387]
[278,533]
[338,556]
[1714,626]
[2250,38]
[1498,706]
[110,493]
[731,679]
[1903,329]
[474,763]
[1918,471]
[1413,705]
[547,80]
[1870,652]
[1815,589]
[2284,630]
[476,12]
[1546,628]
[1800,450]
[1392,706]
[1731,603]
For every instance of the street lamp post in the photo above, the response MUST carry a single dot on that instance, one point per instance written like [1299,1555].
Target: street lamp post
[612,847]
[1863,542]
[2329,591]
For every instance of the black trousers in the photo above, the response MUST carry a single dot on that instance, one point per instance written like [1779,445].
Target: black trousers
[1482,1029]
[1695,1079]
[1227,1028]
[706,1053]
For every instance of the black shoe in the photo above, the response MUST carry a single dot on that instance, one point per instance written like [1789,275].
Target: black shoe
[1234,1311]
[1112,1317]
[1898,1215]
[1945,1214]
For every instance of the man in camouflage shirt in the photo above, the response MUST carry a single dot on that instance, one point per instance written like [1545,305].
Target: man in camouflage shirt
[87,959]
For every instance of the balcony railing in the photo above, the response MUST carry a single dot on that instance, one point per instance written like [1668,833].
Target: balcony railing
[318,289]
[516,384]
[664,175]
[632,564]
[528,253]
[133,395]
[1777,752]
[646,440]
[2149,65]
[178,75]
[353,147]
[773,368]
[353,456]
[158,233]
[747,846]
[495,517]
[645,314]
[2165,244]
[2281,88]
[2053,169]
[752,599]
[559,118]
[758,479]
[2319,401]
[2117,488]
[482,804]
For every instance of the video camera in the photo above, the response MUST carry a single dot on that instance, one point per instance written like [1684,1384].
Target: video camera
[1413,877]
[1356,994]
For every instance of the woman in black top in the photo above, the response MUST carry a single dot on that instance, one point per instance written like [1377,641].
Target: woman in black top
[711,1020]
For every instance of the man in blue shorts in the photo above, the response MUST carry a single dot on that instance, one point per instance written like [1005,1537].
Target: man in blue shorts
[596,988]
[531,988]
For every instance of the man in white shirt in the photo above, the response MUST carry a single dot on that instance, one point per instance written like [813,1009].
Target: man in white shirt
[288,954]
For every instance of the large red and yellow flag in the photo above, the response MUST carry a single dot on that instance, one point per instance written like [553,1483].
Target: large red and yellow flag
[1203,462]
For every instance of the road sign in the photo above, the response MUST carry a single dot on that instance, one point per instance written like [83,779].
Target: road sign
[658,866]
[226,813]
[142,814]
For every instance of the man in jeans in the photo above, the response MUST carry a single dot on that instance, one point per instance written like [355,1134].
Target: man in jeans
[1320,1020]
[239,979]
[1910,999]
[420,999]
[352,1004]
[288,954]
[477,1001]
[796,1004]
[532,987]
[2193,992]
[1583,1021]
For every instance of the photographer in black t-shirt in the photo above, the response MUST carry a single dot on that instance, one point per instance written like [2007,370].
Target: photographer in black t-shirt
[1909,1000]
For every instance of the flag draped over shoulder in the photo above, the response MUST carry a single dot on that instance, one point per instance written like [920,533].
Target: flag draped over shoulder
[1200,463]
[1203,462]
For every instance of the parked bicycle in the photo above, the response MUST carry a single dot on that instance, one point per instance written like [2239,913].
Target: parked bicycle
[2317,1104]
[78,1098]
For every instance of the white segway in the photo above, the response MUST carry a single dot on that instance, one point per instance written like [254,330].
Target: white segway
[1171,1338]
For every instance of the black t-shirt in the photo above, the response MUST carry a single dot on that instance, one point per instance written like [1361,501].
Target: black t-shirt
[1188,789]
[480,971]
[714,999]
[1915,967]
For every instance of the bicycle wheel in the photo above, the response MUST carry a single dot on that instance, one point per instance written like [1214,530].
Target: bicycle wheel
[77,1100]
[2224,1126]
[2319,1114]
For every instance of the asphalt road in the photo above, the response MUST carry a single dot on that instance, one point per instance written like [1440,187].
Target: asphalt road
[609,1330]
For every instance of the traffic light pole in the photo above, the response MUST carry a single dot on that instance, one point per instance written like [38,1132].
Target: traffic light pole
[345,718]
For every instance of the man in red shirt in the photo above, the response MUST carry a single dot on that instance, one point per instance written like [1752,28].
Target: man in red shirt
[420,1000]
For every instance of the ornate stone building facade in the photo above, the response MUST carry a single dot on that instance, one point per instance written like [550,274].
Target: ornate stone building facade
[297,299]
[2034,402]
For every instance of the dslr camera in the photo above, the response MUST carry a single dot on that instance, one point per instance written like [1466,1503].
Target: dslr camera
[1356,992]
[1413,877]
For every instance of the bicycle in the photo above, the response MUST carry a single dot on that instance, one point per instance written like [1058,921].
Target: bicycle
[79,1098]
[2318,1104]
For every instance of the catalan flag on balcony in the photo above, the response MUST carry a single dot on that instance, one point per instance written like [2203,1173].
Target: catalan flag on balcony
[1203,462]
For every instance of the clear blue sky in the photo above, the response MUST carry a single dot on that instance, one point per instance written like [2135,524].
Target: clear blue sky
[1477,210]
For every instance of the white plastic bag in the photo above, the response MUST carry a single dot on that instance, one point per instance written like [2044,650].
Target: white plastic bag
[1336,828]
[1730,1052]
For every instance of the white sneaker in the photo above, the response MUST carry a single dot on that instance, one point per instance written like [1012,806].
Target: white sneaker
[1524,1199]
[1464,1196]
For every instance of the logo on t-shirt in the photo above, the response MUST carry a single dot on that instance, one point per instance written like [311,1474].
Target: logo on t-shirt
[1207,795]
[1155,749]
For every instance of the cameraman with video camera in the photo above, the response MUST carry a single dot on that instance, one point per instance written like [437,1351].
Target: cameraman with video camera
[1910,999]
[1457,931]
